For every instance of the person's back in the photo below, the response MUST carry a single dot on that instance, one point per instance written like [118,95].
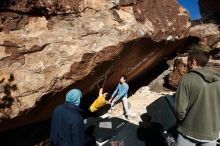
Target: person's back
[197,103]
[203,110]
[67,128]
[66,120]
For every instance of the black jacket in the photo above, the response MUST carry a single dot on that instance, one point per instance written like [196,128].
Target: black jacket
[67,128]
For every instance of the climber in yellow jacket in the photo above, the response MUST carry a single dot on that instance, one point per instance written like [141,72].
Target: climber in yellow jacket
[101,100]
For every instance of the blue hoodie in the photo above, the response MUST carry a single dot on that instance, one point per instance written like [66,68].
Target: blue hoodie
[67,128]
[74,96]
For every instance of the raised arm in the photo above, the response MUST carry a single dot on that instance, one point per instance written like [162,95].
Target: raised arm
[100,91]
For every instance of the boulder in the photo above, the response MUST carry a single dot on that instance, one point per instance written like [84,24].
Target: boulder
[210,11]
[209,34]
[49,47]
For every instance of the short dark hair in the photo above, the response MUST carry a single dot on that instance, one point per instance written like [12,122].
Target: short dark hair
[124,76]
[108,96]
[201,57]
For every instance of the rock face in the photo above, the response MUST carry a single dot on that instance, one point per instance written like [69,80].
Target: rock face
[162,16]
[48,47]
[210,11]
[209,34]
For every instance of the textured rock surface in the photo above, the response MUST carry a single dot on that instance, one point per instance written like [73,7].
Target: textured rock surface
[48,47]
[209,10]
[209,34]
[165,17]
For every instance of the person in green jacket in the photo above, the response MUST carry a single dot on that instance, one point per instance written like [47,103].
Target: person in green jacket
[197,103]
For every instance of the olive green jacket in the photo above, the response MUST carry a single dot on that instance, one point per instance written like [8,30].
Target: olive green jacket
[197,104]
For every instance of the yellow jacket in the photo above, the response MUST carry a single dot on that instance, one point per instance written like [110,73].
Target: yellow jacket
[98,103]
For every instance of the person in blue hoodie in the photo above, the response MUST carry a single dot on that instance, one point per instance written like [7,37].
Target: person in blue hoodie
[67,128]
[121,93]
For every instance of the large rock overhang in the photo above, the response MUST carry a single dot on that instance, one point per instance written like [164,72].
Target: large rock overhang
[48,55]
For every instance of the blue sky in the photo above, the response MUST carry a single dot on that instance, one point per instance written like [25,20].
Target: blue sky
[192,6]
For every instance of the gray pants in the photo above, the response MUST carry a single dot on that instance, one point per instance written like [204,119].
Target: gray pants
[125,104]
[185,141]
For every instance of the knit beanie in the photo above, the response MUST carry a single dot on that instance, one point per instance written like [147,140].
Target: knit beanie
[74,96]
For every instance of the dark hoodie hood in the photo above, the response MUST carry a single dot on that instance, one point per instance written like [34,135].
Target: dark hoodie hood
[207,75]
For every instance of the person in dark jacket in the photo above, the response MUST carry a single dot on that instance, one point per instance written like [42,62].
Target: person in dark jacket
[67,128]
[197,103]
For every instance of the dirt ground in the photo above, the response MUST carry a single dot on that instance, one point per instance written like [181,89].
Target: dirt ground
[138,103]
